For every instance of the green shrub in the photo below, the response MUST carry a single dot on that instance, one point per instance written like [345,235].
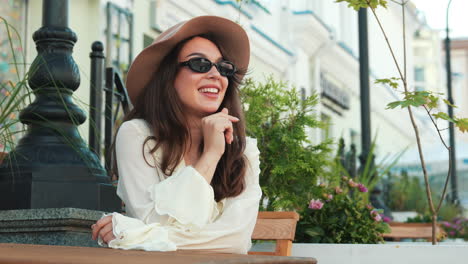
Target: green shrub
[278,117]
[406,194]
[340,214]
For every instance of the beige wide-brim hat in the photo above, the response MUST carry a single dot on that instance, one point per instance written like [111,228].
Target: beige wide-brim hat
[230,36]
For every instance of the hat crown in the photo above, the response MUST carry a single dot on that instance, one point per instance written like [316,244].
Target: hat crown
[169,32]
[230,36]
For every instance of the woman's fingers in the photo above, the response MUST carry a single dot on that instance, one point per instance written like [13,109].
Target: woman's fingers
[225,113]
[100,224]
[228,129]
[223,125]
[218,131]
[108,237]
[228,132]
[228,117]
[106,233]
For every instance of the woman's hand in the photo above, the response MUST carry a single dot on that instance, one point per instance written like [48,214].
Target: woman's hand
[217,131]
[103,229]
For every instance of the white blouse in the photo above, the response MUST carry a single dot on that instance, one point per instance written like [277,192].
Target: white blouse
[178,212]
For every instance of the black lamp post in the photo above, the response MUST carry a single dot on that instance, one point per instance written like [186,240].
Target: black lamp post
[364,84]
[453,162]
[52,167]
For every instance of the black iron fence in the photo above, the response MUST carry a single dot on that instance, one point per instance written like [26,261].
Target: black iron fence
[108,82]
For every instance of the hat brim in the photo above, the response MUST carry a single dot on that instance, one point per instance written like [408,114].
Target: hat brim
[231,38]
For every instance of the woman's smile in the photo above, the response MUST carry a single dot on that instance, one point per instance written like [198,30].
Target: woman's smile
[210,91]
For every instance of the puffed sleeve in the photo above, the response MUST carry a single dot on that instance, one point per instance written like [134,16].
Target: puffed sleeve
[230,232]
[185,197]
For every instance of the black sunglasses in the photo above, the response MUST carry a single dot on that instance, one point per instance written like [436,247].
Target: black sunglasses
[203,65]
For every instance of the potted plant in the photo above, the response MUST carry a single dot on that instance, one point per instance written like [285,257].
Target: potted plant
[290,164]
[296,173]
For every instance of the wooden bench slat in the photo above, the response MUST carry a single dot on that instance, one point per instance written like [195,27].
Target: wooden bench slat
[274,229]
[279,226]
[412,230]
[278,215]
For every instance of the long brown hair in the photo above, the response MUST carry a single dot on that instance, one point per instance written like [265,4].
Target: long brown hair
[160,106]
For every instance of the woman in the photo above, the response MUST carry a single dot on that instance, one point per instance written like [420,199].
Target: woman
[187,174]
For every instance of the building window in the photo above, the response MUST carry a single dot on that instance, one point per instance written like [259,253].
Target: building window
[419,74]
[119,37]
[147,40]
[419,78]
[303,94]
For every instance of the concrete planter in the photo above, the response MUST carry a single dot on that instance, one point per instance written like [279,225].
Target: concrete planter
[389,253]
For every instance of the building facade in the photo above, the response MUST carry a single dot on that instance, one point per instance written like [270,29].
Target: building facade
[311,44]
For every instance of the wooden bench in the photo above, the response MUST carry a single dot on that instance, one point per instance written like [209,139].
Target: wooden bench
[21,253]
[279,226]
[413,231]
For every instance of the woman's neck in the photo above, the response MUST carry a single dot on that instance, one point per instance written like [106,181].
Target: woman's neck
[196,135]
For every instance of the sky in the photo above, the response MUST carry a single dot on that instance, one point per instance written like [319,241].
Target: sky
[435,13]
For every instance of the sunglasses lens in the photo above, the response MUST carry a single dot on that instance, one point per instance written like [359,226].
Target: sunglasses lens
[226,68]
[200,64]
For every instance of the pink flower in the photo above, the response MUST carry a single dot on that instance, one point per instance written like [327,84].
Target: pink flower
[386,219]
[352,184]
[362,188]
[327,196]
[370,207]
[315,204]
[338,190]
[376,216]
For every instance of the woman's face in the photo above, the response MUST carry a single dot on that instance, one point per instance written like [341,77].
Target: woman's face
[200,93]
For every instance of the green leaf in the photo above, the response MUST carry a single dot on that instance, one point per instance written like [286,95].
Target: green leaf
[391,81]
[444,116]
[449,104]
[462,124]
[314,231]
[433,101]
[417,98]
[393,105]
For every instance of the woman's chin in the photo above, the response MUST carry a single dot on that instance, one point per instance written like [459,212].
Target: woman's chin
[208,110]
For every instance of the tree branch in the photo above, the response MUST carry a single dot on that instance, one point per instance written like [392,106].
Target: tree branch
[388,43]
[444,192]
[404,37]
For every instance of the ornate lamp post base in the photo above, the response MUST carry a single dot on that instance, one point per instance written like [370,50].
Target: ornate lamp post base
[52,167]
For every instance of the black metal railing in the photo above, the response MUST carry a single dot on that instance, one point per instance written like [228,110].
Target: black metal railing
[110,82]
[347,158]
[115,88]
